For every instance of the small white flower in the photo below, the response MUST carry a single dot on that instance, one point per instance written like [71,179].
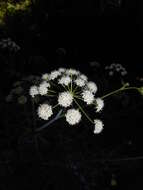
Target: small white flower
[54,75]
[99,104]
[80,82]
[87,96]
[65,99]
[46,84]
[65,80]
[33,91]
[45,76]
[84,77]
[73,116]
[45,111]
[62,70]
[92,87]
[98,126]
[72,72]
[43,88]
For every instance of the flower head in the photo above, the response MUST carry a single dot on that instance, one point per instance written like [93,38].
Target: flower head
[99,104]
[65,99]
[72,72]
[64,91]
[54,75]
[73,116]
[61,70]
[45,76]
[65,80]
[84,77]
[98,126]
[92,87]
[33,91]
[45,111]
[79,82]
[43,88]
[88,96]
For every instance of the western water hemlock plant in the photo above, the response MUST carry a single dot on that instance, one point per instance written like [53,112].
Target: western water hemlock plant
[11,7]
[68,94]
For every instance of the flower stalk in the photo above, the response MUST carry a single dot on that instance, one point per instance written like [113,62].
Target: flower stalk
[123,88]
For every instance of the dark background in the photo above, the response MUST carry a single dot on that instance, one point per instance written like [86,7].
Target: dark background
[107,30]
[75,33]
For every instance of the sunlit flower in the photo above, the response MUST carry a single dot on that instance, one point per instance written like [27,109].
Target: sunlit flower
[54,75]
[65,99]
[84,77]
[88,96]
[33,91]
[65,93]
[92,87]
[65,80]
[98,126]
[79,82]
[45,76]
[73,116]
[43,88]
[99,104]
[45,111]
[72,72]
[62,70]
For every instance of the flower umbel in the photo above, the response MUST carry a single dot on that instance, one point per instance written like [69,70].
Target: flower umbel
[45,111]
[67,88]
[73,116]
[33,91]
[99,104]
[98,126]
[65,99]
[88,96]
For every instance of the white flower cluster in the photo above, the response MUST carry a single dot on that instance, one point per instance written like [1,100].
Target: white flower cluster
[9,44]
[45,111]
[65,99]
[42,89]
[116,68]
[72,92]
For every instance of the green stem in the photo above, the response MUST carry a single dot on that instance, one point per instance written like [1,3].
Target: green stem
[69,89]
[65,87]
[75,89]
[51,91]
[83,112]
[119,90]
[55,106]
[78,97]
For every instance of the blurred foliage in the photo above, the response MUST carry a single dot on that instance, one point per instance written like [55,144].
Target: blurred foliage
[11,7]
